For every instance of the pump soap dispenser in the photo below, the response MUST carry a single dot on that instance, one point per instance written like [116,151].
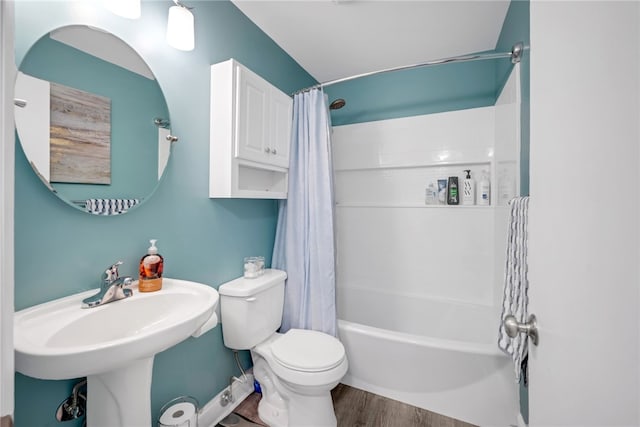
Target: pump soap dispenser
[151,266]
[468,189]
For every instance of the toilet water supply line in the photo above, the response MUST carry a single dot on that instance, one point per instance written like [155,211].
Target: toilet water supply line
[227,395]
[237,357]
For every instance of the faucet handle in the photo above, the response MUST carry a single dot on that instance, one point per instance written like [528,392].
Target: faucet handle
[111,273]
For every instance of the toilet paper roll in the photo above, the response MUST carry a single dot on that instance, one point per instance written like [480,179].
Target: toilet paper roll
[182,414]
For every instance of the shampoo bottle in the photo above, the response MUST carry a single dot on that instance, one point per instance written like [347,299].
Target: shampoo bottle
[151,266]
[442,191]
[468,189]
[484,190]
[453,197]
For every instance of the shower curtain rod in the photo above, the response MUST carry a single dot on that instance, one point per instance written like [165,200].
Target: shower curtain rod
[515,55]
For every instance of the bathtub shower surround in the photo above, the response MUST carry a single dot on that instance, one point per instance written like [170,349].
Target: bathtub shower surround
[419,285]
[304,245]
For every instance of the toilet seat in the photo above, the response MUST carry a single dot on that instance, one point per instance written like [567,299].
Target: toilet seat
[291,367]
[308,351]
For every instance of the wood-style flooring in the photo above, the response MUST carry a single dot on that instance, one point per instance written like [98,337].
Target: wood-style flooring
[358,408]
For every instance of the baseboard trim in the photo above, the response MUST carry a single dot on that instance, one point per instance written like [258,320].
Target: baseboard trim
[213,412]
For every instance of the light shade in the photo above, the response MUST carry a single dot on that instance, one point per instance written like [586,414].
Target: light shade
[180,31]
[125,8]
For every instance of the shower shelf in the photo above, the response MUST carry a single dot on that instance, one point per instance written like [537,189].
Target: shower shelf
[408,205]
[483,162]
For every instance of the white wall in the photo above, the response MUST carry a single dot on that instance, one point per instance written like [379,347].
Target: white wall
[388,240]
[7,155]
[506,169]
[585,213]
[507,140]
[34,121]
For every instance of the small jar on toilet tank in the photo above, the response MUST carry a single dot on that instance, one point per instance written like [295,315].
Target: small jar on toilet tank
[253,267]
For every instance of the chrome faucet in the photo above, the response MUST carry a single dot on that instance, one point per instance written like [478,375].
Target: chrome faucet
[111,289]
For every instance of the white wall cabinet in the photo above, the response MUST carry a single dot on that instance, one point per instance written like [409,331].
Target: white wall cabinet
[250,134]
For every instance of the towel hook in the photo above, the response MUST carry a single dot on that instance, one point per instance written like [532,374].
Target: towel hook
[513,327]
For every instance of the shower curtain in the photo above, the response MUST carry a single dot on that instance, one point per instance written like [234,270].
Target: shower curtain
[305,245]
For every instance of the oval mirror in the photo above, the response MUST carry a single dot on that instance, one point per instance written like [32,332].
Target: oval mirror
[92,120]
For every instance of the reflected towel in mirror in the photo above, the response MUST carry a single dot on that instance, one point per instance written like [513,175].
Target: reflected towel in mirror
[109,206]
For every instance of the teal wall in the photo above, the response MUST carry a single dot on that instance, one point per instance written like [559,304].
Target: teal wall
[135,102]
[426,90]
[60,251]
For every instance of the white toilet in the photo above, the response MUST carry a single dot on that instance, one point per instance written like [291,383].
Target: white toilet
[296,370]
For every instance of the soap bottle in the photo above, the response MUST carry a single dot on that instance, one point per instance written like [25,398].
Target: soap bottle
[151,266]
[484,190]
[468,189]
[431,194]
[453,196]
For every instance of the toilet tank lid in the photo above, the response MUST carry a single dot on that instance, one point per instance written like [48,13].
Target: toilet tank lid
[243,287]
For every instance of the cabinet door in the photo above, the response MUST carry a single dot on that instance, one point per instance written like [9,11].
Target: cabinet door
[252,117]
[281,118]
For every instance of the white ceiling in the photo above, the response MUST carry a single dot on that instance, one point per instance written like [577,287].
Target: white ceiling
[332,39]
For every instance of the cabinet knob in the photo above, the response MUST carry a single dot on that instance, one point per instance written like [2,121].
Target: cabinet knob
[267,150]
[274,151]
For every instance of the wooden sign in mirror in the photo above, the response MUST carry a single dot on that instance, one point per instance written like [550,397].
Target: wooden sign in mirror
[80,136]
[92,120]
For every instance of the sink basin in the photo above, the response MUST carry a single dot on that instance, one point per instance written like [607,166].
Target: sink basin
[113,345]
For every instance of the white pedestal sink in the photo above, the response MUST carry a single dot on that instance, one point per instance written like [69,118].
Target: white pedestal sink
[113,345]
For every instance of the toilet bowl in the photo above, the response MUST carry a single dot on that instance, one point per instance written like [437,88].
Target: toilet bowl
[301,384]
[297,369]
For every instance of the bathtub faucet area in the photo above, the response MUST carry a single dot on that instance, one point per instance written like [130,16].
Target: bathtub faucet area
[112,288]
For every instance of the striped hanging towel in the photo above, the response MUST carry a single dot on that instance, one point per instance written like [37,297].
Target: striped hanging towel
[516,283]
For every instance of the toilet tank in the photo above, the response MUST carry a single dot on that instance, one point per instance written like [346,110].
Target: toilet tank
[251,309]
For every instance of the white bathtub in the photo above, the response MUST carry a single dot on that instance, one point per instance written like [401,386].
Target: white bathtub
[435,354]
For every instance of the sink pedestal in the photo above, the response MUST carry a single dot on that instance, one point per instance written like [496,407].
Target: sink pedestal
[121,397]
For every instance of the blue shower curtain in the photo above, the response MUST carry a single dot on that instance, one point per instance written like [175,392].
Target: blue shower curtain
[305,244]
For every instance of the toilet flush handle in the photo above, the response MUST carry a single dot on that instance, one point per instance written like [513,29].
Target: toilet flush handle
[250,299]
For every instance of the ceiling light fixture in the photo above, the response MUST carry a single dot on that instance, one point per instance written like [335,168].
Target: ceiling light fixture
[180,27]
[125,8]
